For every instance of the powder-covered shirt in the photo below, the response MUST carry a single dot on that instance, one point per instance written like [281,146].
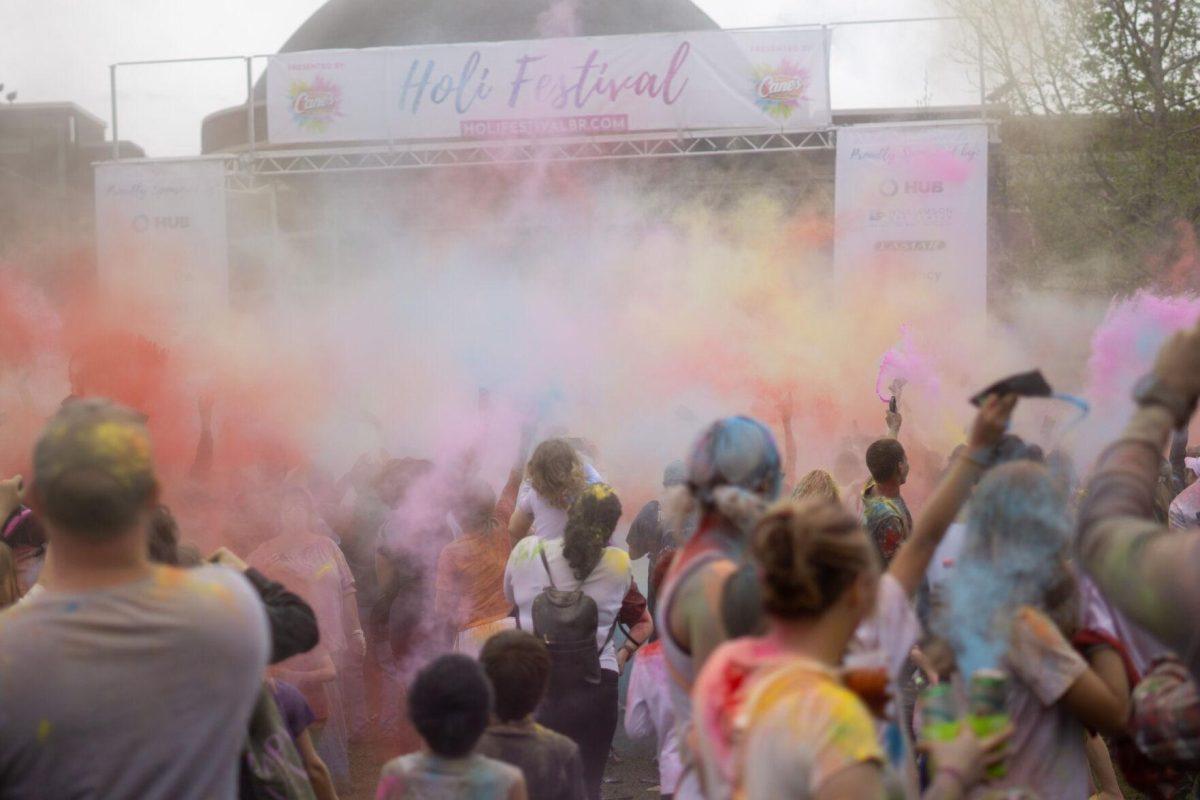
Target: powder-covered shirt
[142,690]
[423,776]
[803,727]
[649,711]
[525,577]
[313,567]
[1046,753]
[723,685]
[887,520]
[551,762]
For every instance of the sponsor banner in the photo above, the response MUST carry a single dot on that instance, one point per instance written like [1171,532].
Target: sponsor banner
[752,81]
[160,231]
[911,209]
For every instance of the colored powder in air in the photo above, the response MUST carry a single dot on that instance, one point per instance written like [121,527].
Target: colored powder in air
[1125,344]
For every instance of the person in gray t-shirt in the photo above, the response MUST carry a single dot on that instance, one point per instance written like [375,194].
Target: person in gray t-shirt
[122,679]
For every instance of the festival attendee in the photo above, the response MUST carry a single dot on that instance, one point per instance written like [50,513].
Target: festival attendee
[449,706]
[817,484]
[267,764]
[1146,575]
[582,700]
[22,532]
[556,476]
[886,636]
[885,514]
[111,630]
[733,471]
[652,531]
[1013,574]
[648,707]
[799,731]
[313,566]
[517,664]
[298,717]
[470,570]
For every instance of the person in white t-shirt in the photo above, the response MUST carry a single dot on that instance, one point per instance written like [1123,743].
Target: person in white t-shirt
[555,477]
[580,560]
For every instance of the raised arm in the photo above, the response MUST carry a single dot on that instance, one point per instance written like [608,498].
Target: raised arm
[1144,570]
[911,562]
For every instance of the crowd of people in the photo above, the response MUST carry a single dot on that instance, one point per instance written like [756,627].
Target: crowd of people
[1017,634]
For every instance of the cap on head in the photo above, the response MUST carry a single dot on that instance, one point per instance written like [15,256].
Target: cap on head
[93,468]
[735,451]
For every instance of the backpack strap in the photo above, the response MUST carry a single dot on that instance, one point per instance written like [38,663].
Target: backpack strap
[545,563]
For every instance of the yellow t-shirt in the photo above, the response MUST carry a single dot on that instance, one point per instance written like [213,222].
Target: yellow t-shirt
[802,728]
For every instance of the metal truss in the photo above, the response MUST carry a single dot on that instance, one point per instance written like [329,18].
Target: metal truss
[242,171]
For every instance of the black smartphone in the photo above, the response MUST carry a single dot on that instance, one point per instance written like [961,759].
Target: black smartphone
[1025,384]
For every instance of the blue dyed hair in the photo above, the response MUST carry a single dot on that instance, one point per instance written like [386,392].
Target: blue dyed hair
[735,451]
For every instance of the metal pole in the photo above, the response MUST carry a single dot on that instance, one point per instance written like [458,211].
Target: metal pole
[112,89]
[250,102]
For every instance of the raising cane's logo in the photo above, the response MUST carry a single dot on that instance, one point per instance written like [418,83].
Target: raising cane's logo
[779,89]
[315,105]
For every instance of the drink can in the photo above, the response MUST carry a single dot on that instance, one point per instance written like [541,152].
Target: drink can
[988,709]
[989,693]
[939,714]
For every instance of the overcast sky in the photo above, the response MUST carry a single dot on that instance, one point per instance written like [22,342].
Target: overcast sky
[59,50]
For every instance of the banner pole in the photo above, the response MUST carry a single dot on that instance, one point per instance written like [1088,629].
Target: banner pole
[250,103]
[112,90]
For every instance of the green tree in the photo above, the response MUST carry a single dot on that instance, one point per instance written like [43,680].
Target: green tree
[1105,97]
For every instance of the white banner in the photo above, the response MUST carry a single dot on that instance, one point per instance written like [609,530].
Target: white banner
[160,231]
[911,209]
[767,81]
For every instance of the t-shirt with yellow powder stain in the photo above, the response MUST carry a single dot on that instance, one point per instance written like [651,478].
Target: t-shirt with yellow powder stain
[525,578]
[137,690]
[802,728]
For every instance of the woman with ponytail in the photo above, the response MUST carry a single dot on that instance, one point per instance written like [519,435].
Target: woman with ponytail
[581,560]
[791,728]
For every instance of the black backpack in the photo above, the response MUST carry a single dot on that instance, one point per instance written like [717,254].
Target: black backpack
[567,623]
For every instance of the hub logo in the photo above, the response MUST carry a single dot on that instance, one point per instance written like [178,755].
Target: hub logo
[890,187]
[779,89]
[315,105]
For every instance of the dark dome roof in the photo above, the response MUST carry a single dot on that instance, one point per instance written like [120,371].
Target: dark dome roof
[389,23]
[381,23]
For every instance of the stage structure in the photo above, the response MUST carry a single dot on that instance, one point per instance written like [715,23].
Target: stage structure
[334,115]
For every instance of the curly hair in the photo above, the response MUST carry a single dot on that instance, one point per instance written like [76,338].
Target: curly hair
[591,520]
[817,484]
[808,553]
[556,472]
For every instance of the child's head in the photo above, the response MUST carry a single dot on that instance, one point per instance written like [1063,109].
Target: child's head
[518,665]
[449,704]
